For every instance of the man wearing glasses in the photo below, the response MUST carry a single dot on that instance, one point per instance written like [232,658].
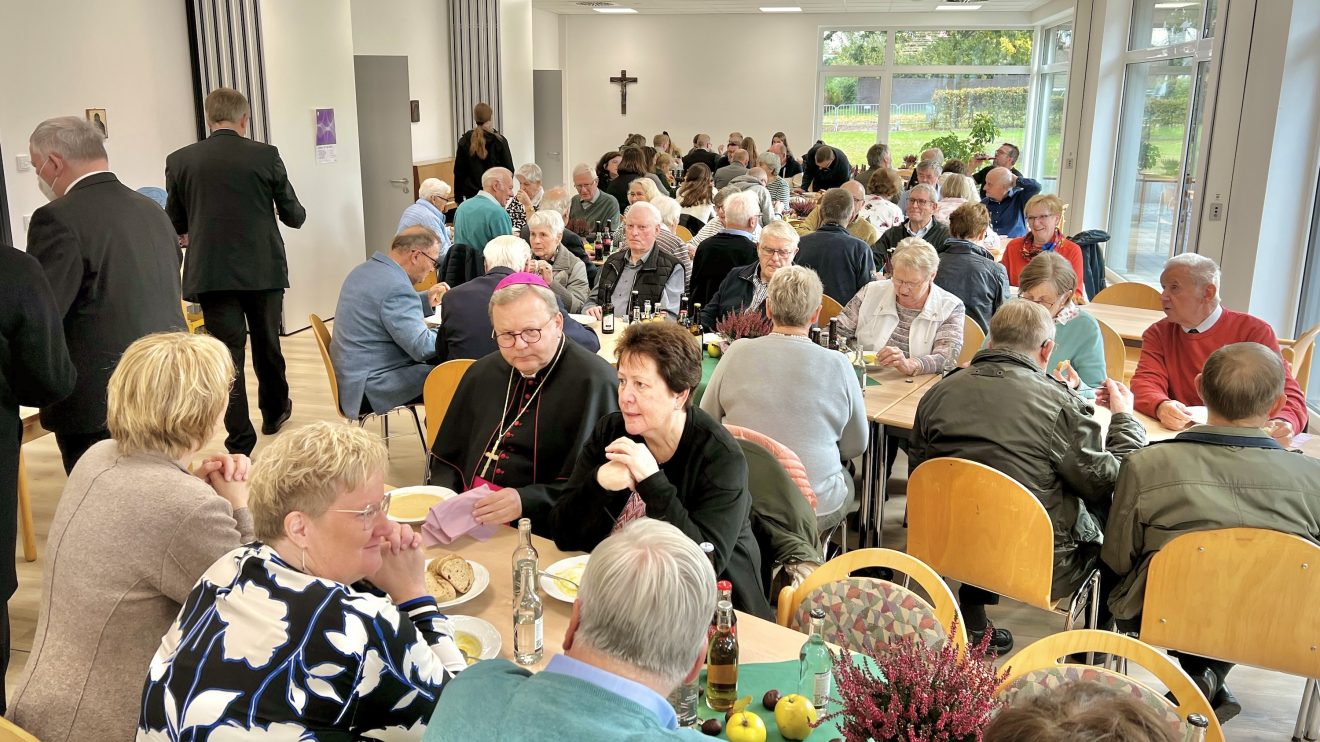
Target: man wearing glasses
[381,346]
[520,415]
[921,222]
[745,287]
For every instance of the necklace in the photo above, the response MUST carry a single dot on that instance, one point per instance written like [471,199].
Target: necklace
[501,431]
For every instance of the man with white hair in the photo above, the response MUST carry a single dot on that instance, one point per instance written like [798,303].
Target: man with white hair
[563,271]
[590,205]
[1006,196]
[112,260]
[921,222]
[858,227]
[482,218]
[429,212]
[466,330]
[530,190]
[1036,430]
[754,182]
[1195,325]
[734,246]
[654,274]
[497,429]
[928,172]
[746,286]
[625,651]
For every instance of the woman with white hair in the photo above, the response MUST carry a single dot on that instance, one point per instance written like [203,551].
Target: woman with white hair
[283,636]
[429,212]
[913,325]
[530,190]
[776,184]
[563,271]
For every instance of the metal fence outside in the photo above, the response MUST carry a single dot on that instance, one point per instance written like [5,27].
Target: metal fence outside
[862,116]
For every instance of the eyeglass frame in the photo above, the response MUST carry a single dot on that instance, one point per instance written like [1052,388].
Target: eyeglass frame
[434,261]
[784,254]
[369,514]
[515,335]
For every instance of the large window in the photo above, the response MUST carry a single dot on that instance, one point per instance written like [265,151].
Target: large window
[1044,152]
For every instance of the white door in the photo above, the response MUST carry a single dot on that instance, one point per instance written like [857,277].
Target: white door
[385,140]
[548,108]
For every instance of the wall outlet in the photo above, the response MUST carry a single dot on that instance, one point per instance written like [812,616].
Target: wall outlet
[24,163]
[1216,211]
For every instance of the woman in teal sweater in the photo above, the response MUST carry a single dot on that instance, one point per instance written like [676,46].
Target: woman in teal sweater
[1079,349]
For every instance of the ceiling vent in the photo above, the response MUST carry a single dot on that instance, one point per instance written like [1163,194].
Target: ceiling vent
[594,4]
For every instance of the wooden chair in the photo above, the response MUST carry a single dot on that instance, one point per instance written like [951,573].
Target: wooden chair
[322,334]
[829,309]
[1115,353]
[942,606]
[427,282]
[25,527]
[978,526]
[973,339]
[438,392]
[1299,355]
[1038,666]
[683,233]
[1129,294]
[10,732]
[1244,595]
[194,320]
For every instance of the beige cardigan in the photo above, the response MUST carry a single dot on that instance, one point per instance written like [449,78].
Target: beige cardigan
[130,537]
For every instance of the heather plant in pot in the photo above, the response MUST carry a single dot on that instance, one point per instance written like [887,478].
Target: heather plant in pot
[748,323]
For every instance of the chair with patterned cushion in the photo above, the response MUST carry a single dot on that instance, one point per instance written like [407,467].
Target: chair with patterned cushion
[863,612]
[1038,668]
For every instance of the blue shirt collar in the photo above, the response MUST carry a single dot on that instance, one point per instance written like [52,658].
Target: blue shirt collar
[432,207]
[619,686]
[748,235]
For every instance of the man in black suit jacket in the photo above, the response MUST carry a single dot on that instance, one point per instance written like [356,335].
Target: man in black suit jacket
[220,195]
[113,264]
[830,169]
[700,152]
[732,247]
[35,370]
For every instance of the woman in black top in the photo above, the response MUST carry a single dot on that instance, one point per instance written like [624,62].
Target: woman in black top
[662,458]
[607,168]
[479,149]
[632,167]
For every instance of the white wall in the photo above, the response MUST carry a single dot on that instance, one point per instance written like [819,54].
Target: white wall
[309,65]
[546,30]
[129,57]
[517,120]
[418,30]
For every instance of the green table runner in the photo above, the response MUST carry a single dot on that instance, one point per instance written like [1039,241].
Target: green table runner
[754,680]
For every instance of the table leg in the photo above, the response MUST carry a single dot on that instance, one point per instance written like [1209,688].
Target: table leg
[868,485]
[25,527]
[881,485]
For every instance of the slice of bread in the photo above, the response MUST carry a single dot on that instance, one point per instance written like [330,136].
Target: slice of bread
[440,588]
[459,573]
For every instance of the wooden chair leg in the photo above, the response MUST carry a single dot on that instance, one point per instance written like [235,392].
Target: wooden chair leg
[25,527]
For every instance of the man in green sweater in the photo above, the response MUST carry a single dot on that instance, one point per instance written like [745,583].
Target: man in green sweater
[625,650]
[482,218]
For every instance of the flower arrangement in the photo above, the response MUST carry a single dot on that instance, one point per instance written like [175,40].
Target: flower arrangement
[747,323]
[909,160]
[917,693]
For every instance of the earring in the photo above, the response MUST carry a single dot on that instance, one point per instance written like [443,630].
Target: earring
[303,561]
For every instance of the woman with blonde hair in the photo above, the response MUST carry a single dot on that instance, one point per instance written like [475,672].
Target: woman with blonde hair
[957,189]
[133,531]
[1043,214]
[479,149]
[282,637]
[749,144]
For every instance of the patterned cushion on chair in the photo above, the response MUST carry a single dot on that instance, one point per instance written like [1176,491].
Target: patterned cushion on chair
[1040,681]
[865,613]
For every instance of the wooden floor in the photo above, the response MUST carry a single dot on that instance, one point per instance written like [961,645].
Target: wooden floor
[1269,700]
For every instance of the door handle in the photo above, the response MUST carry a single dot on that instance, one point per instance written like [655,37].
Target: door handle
[400,181]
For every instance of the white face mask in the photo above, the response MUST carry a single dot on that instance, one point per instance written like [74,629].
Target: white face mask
[47,189]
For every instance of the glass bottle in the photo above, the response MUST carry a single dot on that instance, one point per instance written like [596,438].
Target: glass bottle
[608,237]
[815,664]
[607,320]
[524,552]
[722,662]
[528,627]
[634,306]
[696,321]
[1197,727]
[835,339]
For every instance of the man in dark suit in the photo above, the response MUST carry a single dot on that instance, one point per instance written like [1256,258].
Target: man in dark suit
[831,169]
[220,195]
[734,246]
[113,264]
[35,370]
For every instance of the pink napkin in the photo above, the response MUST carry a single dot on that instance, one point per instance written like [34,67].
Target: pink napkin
[453,519]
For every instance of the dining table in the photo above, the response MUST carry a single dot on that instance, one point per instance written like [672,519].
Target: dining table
[886,389]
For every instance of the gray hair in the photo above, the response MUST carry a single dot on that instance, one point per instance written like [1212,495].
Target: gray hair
[723,194]
[646,599]
[1199,267]
[1241,381]
[917,254]
[225,104]
[507,251]
[794,295]
[836,207]
[770,161]
[494,174]
[70,137]
[557,200]
[433,187]
[741,208]
[547,218]
[645,207]
[511,294]
[669,210]
[1021,326]
[927,189]
[583,168]
[928,165]
[531,171]
[648,186]
[782,231]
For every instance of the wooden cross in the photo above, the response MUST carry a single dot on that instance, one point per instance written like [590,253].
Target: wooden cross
[623,81]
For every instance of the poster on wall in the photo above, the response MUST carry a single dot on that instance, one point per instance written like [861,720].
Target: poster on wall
[96,117]
[325,136]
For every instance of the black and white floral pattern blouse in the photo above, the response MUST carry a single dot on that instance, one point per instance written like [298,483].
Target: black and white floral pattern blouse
[262,651]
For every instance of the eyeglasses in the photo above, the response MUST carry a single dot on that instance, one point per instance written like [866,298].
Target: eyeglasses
[1039,217]
[920,202]
[434,261]
[369,514]
[780,254]
[908,284]
[508,339]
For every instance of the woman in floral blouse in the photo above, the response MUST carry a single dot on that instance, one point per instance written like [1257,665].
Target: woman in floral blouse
[282,638]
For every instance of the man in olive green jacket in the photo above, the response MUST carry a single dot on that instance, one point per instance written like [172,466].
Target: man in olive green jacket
[1227,474]
[1004,411]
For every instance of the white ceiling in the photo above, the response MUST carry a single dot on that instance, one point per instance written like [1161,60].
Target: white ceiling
[685,7]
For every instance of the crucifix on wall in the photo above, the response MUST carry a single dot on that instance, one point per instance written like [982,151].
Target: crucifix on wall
[623,81]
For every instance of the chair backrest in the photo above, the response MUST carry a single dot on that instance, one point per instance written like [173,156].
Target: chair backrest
[427,282]
[1129,294]
[194,320]
[322,334]
[1115,351]
[783,522]
[1245,595]
[829,309]
[683,233]
[792,463]
[1299,356]
[973,339]
[1037,667]
[942,603]
[438,392]
[10,732]
[977,525]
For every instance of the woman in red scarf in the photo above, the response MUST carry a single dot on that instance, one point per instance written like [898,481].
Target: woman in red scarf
[1043,213]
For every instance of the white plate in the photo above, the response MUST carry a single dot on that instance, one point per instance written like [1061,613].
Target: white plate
[439,493]
[480,581]
[432,320]
[483,631]
[562,590]
[585,319]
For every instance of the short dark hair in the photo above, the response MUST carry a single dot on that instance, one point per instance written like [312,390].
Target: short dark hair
[676,353]
[1078,710]
[414,238]
[969,221]
[1242,380]
[836,206]
[954,166]
[1013,151]
[875,154]
[824,154]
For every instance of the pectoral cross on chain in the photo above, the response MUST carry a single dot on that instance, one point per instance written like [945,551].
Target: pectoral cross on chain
[492,457]
[623,81]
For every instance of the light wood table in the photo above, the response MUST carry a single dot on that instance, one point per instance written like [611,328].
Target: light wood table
[1128,322]
[32,430]
[759,640]
[894,388]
